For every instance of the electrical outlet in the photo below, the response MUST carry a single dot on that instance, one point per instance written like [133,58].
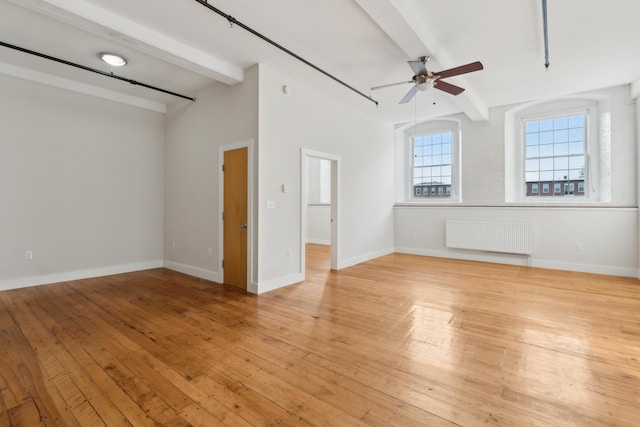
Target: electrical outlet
[578,247]
[173,245]
[28,255]
[210,251]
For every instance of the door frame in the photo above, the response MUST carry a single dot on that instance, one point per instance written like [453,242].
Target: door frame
[248,144]
[335,211]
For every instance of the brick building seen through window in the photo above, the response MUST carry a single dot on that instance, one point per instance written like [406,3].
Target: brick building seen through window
[555,189]
[432,165]
[432,189]
[555,155]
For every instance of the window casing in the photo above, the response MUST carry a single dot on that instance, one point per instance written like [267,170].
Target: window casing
[555,152]
[432,162]
[590,170]
[431,167]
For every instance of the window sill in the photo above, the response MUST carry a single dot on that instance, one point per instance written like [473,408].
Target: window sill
[427,204]
[602,206]
[567,201]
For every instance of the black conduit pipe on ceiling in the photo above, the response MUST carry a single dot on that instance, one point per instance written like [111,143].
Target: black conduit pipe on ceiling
[234,21]
[546,33]
[93,70]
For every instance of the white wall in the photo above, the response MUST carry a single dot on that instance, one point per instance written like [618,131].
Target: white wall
[607,236]
[318,181]
[318,201]
[308,119]
[221,115]
[319,224]
[258,109]
[81,185]
[608,232]
[93,187]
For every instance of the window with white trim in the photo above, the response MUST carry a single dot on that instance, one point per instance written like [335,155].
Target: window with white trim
[565,143]
[432,165]
[431,169]
[555,150]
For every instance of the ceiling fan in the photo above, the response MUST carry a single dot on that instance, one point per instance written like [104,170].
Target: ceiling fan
[424,79]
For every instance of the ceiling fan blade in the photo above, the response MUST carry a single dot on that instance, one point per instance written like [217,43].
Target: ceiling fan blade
[463,69]
[448,87]
[391,84]
[418,67]
[409,95]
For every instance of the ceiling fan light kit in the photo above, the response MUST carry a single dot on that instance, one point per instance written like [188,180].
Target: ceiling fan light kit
[423,78]
[423,83]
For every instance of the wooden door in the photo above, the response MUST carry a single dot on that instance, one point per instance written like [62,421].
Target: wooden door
[235,217]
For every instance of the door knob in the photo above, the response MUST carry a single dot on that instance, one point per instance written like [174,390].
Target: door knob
[243,225]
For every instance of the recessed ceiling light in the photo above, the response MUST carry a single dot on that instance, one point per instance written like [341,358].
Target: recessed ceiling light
[113,60]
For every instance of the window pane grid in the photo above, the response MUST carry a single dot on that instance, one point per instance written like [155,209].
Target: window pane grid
[555,153]
[432,168]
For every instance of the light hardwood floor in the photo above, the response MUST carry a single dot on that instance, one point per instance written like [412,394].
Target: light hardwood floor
[398,341]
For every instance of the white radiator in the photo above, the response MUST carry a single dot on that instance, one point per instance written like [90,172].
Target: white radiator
[505,237]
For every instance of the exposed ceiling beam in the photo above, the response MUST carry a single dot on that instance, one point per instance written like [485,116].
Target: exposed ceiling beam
[386,16]
[62,83]
[408,30]
[84,15]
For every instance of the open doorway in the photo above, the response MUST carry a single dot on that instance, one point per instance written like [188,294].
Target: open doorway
[319,208]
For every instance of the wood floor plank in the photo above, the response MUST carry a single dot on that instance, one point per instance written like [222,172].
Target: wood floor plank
[234,358]
[401,340]
[26,414]
[69,380]
[4,412]
[5,319]
[120,369]
[150,368]
[25,376]
[87,355]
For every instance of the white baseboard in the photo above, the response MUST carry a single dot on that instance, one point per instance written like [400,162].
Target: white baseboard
[280,282]
[586,268]
[46,279]
[522,260]
[362,258]
[319,241]
[468,255]
[201,273]
[254,288]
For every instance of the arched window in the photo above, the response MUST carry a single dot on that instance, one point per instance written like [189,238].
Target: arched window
[431,162]
[558,152]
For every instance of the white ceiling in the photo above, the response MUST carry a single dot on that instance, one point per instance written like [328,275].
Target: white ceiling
[184,47]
